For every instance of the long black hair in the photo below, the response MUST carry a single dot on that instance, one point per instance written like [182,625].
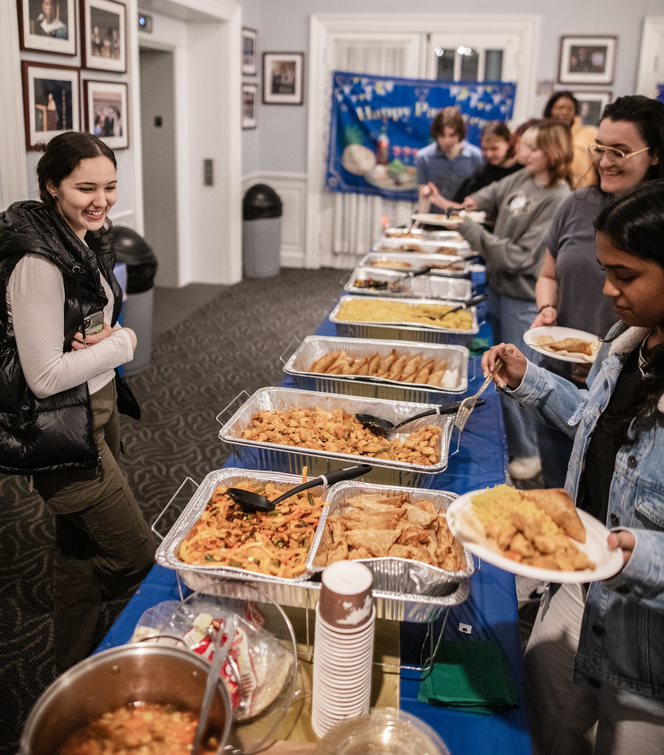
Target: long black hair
[559,95]
[62,156]
[634,223]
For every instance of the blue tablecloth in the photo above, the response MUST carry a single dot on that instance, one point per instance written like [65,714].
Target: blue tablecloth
[490,613]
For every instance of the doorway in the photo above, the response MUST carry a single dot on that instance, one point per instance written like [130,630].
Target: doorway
[158,137]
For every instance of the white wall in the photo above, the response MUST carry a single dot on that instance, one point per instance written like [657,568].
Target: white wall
[251,137]
[283,26]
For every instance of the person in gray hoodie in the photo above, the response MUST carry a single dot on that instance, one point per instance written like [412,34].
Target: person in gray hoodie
[521,207]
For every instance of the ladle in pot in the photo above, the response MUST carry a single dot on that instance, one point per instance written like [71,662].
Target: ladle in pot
[255,502]
[382,426]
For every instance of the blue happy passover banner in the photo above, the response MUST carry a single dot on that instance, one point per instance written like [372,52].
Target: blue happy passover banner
[378,124]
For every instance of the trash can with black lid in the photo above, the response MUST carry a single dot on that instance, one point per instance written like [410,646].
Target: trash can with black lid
[132,249]
[261,231]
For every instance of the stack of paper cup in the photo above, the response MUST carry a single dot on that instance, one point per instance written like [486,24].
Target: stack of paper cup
[343,646]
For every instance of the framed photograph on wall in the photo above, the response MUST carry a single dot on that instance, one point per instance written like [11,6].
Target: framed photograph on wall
[249,97]
[48,26]
[587,60]
[50,101]
[249,51]
[104,35]
[106,113]
[591,105]
[283,78]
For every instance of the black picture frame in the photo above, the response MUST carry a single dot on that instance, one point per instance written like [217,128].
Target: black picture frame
[51,29]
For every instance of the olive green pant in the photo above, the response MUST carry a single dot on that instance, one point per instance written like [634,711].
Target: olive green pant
[103,545]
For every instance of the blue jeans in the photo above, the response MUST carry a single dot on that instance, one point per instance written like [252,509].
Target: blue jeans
[510,319]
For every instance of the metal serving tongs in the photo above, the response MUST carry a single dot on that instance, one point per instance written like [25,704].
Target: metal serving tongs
[468,404]
[382,426]
[252,503]
[220,653]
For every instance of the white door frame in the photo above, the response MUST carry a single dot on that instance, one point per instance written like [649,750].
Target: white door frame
[322,26]
[650,60]
[209,219]
[13,163]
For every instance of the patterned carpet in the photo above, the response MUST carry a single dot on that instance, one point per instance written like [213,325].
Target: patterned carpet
[231,344]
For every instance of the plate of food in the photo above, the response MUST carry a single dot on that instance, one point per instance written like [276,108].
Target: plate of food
[533,533]
[449,221]
[566,344]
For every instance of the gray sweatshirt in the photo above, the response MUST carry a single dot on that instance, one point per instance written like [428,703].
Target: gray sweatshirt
[514,250]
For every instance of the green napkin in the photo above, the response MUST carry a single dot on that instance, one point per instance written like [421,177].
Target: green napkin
[478,346]
[471,676]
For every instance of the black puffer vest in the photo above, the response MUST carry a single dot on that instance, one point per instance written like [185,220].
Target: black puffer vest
[54,433]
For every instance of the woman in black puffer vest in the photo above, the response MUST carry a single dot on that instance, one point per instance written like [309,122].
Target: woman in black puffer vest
[59,346]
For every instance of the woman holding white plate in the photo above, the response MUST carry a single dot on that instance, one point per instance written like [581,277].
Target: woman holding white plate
[628,150]
[595,659]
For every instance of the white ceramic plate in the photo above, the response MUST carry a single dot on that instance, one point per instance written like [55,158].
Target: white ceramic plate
[469,532]
[434,218]
[531,336]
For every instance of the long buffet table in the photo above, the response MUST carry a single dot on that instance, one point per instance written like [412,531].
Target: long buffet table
[490,613]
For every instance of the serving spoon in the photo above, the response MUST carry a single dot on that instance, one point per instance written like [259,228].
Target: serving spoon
[252,503]
[382,426]
[465,305]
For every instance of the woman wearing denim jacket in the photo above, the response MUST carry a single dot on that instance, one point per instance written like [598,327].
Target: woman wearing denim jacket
[595,659]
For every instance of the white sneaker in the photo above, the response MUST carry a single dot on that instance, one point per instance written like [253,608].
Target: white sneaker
[524,467]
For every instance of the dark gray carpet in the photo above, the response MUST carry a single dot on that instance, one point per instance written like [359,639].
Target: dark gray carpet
[232,343]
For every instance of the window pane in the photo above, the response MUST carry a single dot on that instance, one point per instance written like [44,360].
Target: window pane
[469,63]
[493,65]
[445,61]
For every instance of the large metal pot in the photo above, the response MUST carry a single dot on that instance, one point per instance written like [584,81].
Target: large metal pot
[147,672]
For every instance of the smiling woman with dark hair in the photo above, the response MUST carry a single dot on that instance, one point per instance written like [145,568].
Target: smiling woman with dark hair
[596,654]
[59,344]
[629,150]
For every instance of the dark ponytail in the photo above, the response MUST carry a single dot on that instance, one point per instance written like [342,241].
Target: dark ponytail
[634,223]
[61,157]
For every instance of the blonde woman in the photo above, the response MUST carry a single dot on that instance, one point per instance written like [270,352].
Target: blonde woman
[521,207]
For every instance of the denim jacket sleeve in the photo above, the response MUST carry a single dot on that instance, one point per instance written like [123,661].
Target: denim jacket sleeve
[554,399]
[643,577]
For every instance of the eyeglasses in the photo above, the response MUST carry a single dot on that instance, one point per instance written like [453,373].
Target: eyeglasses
[613,153]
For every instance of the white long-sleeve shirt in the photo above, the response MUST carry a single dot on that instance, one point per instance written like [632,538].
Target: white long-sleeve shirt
[35,299]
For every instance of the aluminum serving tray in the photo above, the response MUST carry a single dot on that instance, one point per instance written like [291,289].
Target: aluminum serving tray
[424,286]
[417,609]
[398,575]
[417,261]
[167,553]
[299,592]
[403,332]
[419,233]
[422,246]
[292,458]
[314,347]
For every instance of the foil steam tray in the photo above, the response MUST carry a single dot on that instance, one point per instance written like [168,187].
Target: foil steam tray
[424,286]
[299,592]
[418,245]
[403,332]
[398,575]
[291,459]
[462,267]
[314,347]
[417,609]
[167,553]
